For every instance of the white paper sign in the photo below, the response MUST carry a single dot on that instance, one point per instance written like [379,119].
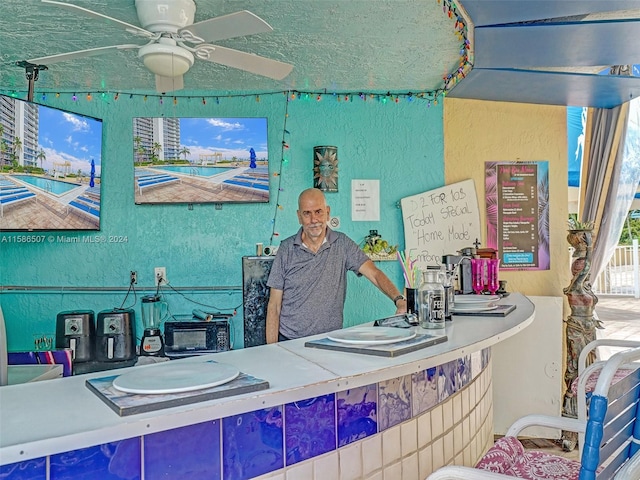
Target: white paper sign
[440,222]
[365,200]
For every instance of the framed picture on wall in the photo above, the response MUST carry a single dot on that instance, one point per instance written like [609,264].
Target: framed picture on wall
[50,168]
[200,160]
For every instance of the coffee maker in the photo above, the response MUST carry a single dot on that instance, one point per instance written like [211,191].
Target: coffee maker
[76,330]
[460,265]
[116,335]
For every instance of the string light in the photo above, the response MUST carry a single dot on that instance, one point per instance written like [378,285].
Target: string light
[431,97]
[450,80]
[396,97]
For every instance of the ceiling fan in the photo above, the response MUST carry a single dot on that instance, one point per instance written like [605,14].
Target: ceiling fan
[174,42]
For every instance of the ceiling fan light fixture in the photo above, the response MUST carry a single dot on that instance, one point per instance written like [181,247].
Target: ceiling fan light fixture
[166,60]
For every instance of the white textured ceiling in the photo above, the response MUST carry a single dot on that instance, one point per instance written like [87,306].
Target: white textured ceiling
[337,45]
[533,51]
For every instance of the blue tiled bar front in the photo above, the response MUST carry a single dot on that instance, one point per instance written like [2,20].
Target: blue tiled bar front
[326,415]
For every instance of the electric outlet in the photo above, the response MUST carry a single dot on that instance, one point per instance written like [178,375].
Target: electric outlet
[133,277]
[160,274]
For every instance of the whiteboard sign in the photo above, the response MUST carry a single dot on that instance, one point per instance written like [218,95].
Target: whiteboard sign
[440,222]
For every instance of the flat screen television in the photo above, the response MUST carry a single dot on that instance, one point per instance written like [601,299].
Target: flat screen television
[200,160]
[50,168]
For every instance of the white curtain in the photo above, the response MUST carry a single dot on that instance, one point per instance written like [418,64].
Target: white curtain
[610,175]
[623,184]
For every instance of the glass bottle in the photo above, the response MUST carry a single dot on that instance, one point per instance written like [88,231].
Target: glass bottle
[431,299]
[446,278]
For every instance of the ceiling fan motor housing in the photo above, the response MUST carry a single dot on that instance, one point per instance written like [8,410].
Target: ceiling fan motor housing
[165,15]
[165,58]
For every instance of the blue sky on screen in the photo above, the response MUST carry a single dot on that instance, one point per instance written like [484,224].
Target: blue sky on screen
[68,137]
[232,137]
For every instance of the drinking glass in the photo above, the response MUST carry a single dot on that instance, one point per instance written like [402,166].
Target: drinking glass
[493,266]
[477,275]
[412,300]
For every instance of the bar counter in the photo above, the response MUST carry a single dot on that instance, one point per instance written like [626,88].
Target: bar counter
[326,414]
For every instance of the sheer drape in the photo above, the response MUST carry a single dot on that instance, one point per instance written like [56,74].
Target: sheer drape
[623,186]
[610,176]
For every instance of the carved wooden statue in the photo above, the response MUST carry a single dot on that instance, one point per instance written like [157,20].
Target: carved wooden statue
[581,326]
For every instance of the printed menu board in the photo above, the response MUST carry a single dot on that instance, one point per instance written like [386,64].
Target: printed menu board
[517,196]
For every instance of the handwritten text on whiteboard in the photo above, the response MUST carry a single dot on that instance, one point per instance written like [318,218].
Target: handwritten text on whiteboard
[440,222]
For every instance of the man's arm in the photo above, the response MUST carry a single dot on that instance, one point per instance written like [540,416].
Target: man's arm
[273,315]
[386,286]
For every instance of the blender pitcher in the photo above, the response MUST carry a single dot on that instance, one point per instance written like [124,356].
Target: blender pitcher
[153,311]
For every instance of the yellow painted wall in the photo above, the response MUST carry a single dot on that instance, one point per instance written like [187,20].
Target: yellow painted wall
[478,131]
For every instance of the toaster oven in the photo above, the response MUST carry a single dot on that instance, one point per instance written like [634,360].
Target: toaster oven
[194,337]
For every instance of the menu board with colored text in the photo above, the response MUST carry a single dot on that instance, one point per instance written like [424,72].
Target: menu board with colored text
[517,200]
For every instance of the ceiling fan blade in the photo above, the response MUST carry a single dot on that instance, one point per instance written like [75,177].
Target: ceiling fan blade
[127,26]
[63,57]
[169,84]
[233,25]
[248,62]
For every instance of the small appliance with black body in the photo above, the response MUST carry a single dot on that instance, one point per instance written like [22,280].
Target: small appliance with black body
[77,330]
[116,335]
[195,336]
[153,311]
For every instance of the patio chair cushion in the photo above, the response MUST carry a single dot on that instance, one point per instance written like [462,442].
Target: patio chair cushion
[509,457]
[590,385]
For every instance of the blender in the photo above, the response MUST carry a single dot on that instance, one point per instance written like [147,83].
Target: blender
[153,311]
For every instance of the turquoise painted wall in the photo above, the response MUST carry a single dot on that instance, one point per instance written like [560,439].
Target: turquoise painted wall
[399,144]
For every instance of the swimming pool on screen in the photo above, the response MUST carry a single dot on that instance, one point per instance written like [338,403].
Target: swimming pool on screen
[50,185]
[188,170]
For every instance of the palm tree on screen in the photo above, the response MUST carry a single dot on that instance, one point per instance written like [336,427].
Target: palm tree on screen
[184,151]
[17,148]
[3,144]
[41,156]
[138,149]
[156,148]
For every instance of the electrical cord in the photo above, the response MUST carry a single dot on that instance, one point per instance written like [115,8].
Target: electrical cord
[203,304]
[135,297]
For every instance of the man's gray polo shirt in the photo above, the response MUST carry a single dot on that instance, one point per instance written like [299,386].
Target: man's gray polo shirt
[314,285]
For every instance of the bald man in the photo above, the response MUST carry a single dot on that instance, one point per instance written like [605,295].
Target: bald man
[308,279]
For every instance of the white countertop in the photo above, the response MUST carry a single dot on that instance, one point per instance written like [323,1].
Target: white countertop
[42,418]
[32,373]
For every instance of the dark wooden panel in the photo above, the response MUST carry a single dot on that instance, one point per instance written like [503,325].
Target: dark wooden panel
[492,12]
[557,45]
[255,296]
[546,88]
